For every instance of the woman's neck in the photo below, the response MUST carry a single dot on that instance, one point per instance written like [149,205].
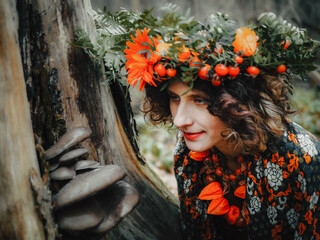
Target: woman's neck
[231,154]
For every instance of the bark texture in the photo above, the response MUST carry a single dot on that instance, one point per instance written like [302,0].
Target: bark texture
[18,215]
[63,91]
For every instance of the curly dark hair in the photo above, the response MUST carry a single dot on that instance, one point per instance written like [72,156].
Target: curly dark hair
[253,108]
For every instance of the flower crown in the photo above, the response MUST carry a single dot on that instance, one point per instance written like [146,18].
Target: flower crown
[217,50]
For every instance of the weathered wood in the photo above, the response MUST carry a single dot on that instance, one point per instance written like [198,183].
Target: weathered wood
[156,217]
[18,216]
[64,91]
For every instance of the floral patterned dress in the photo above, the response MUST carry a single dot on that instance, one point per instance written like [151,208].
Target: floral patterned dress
[282,192]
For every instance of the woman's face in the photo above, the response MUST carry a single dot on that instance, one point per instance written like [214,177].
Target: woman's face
[201,129]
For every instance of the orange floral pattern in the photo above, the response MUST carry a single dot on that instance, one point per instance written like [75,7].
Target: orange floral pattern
[281,196]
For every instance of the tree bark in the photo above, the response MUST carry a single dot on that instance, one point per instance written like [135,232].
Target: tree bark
[63,90]
[18,216]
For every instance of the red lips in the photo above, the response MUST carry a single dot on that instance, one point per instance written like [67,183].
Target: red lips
[192,136]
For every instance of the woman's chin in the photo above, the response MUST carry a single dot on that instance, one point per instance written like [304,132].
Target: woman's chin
[197,146]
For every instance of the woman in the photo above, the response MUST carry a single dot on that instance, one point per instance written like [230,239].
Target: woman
[244,170]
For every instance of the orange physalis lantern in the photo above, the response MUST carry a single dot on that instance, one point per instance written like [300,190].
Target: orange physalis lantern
[211,191]
[233,214]
[219,206]
[240,192]
[199,156]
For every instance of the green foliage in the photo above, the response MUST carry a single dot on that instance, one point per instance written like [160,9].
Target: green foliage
[181,31]
[273,32]
[112,33]
[114,30]
[157,144]
[307,104]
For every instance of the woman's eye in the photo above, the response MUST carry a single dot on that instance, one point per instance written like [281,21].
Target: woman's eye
[202,101]
[173,98]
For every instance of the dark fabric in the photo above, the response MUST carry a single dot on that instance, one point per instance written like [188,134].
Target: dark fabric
[282,193]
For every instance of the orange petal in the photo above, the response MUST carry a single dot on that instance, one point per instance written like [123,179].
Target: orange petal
[211,191]
[133,72]
[199,156]
[240,192]
[131,45]
[134,82]
[139,36]
[145,33]
[155,57]
[147,77]
[142,84]
[139,58]
[218,206]
[131,77]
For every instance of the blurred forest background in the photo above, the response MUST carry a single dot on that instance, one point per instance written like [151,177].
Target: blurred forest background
[157,144]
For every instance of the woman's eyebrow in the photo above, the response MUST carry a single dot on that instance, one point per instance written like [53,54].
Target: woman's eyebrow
[197,93]
[170,92]
[193,94]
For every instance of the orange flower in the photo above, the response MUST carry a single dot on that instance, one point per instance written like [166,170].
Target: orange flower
[245,41]
[199,156]
[233,214]
[141,59]
[240,192]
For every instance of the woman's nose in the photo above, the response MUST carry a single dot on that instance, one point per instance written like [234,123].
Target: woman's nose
[183,116]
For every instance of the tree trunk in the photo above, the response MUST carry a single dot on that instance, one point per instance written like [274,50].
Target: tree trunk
[18,216]
[64,91]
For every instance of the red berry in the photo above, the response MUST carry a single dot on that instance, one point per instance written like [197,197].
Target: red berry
[203,72]
[238,171]
[281,68]
[233,71]
[252,70]
[171,72]
[219,50]
[286,44]
[232,177]
[240,221]
[219,171]
[226,177]
[160,69]
[215,158]
[238,59]
[209,178]
[221,69]
[216,82]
